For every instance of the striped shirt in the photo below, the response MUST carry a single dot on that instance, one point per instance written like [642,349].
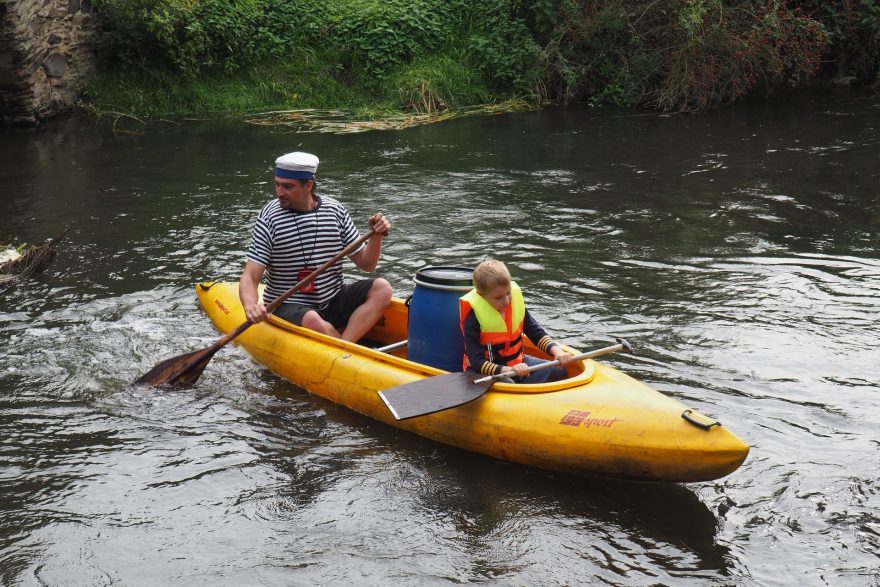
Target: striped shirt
[291,244]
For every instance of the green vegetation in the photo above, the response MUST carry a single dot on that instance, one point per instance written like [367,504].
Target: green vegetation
[376,57]
[679,55]
[161,90]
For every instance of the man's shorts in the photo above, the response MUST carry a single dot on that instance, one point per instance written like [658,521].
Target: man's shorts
[338,311]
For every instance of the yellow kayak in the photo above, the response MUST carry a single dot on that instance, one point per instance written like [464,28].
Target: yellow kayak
[599,421]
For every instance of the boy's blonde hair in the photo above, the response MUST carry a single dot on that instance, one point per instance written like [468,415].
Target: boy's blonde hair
[490,273]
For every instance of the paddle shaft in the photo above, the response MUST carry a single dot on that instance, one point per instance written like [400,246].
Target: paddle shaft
[621,345]
[392,347]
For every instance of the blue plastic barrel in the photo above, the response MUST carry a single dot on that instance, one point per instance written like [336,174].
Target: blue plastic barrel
[434,326]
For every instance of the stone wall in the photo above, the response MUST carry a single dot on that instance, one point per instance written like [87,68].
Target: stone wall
[45,57]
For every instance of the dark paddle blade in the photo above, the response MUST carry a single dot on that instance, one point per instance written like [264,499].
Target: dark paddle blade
[433,394]
[182,370]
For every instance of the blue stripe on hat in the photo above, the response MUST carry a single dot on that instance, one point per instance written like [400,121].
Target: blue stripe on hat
[291,174]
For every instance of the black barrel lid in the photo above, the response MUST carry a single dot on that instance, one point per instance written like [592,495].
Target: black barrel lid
[451,275]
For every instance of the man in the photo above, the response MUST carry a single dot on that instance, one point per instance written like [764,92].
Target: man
[298,232]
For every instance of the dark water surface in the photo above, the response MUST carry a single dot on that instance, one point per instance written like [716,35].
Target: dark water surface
[737,250]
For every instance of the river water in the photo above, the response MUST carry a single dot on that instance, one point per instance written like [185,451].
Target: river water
[737,250]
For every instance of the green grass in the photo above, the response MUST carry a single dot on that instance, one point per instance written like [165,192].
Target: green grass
[160,92]
[435,83]
[427,85]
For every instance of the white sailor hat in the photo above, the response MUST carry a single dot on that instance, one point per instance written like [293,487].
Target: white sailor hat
[296,165]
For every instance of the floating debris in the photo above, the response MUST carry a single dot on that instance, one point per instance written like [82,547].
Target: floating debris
[340,122]
[22,262]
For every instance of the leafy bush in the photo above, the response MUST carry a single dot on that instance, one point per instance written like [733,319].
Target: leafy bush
[720,53]
[368,42]
[375,39]
[380,36]
[678,55]
[191,35]
[853,36]
[498,43]
[428,54]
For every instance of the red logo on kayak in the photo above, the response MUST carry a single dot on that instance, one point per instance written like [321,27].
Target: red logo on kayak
[221,306]
[578,417]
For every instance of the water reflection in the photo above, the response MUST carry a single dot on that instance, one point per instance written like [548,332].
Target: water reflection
[581,524]
[487,511]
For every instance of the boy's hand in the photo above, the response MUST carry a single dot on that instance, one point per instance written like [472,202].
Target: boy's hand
[520,369]
[561,355]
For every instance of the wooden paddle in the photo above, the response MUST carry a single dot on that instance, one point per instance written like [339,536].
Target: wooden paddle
[184,370]
[441,392]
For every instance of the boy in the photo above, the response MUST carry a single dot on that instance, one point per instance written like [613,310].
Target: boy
[493,321]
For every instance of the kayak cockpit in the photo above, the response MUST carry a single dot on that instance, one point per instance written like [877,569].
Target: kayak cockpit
[388,342]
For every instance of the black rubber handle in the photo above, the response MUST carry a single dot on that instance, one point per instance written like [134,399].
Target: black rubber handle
[687,416]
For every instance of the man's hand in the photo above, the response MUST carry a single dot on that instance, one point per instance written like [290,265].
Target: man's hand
[248,292]
[380,224]
[256,312]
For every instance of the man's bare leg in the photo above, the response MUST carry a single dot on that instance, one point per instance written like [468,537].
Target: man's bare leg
[313,321]
[368,313]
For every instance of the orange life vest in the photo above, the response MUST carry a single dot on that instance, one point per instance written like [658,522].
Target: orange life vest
[500,334]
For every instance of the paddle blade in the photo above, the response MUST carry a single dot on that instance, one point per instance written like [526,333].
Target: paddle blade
[433,394]
[179,371]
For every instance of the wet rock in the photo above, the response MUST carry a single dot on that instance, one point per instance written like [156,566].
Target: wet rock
[55,65]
